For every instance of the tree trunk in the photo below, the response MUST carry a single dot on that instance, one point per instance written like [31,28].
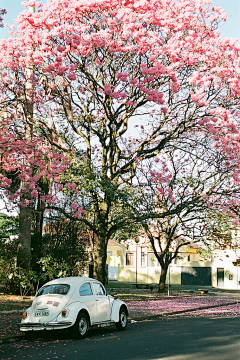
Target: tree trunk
[24,252]
[25,216]
[162,280]
[100,258]
[100,250]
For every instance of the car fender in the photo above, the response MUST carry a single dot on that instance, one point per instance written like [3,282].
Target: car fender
[74,309]
[115,309]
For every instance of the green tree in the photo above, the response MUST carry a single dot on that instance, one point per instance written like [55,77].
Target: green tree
[8,226]
[63,250]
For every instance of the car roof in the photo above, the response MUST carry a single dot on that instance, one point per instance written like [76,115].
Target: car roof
[73,280]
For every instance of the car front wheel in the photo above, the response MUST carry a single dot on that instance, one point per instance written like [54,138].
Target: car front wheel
[81,326]
[122,324]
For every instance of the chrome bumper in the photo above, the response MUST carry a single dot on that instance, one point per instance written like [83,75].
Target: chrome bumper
[44,326]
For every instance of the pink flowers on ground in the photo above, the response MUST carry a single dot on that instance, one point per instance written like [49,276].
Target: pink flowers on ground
[159,307]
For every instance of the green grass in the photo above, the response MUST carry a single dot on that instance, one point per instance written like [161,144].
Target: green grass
[13,302]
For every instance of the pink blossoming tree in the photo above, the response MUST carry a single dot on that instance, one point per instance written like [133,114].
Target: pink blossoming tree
[191,185]
[96,72]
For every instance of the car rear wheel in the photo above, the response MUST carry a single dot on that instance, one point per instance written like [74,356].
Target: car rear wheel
[81,326]
[122,324]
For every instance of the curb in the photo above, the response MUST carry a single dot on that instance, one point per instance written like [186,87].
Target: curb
[11,339]
[16,338]
[10,311]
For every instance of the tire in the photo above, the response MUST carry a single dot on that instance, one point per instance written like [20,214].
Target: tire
[122,324]
[81,326]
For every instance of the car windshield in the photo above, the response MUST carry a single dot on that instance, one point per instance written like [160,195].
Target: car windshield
[55,289]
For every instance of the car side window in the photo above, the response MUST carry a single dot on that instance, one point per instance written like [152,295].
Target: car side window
[99,290]
[85,289]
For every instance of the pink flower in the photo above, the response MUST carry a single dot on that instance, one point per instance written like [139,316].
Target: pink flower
[34,193]
[61,48]
[107,89]
[71,76]
[74,206]
[152,58]
[235,222]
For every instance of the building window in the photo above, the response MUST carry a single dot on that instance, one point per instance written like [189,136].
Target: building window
[129,259]
[143,257]
[188,257]
[151,260]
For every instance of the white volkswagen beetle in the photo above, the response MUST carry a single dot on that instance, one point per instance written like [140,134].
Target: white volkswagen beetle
[76,302]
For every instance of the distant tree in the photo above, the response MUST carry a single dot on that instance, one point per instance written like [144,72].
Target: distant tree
[191,188]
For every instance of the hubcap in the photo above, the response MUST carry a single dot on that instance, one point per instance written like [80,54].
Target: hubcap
[82,326]
[123,319]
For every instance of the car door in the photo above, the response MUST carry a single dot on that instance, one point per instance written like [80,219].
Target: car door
[88,298]
[102,302]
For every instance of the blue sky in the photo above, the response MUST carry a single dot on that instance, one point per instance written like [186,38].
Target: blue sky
[230,29]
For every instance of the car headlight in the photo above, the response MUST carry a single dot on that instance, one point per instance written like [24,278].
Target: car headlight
[24,315]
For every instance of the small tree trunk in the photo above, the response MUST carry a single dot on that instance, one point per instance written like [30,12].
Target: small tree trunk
[39,217]
[24,252]
[162,280]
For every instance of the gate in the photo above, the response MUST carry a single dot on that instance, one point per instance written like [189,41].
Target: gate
[196,275]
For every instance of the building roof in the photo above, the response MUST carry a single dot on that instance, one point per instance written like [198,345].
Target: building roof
[194,246]
[113,243]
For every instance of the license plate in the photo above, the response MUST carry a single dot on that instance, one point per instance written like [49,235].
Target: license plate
[41,313]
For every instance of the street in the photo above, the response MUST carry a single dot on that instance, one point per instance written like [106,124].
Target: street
[166,338]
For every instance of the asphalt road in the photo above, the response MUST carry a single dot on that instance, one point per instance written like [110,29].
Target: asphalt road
[166,338]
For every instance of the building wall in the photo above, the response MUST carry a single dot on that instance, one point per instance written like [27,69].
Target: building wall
[231,275]
[150,271]
[113,261]
[151,274]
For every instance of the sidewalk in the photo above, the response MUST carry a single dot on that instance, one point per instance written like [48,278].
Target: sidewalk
[219,304]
